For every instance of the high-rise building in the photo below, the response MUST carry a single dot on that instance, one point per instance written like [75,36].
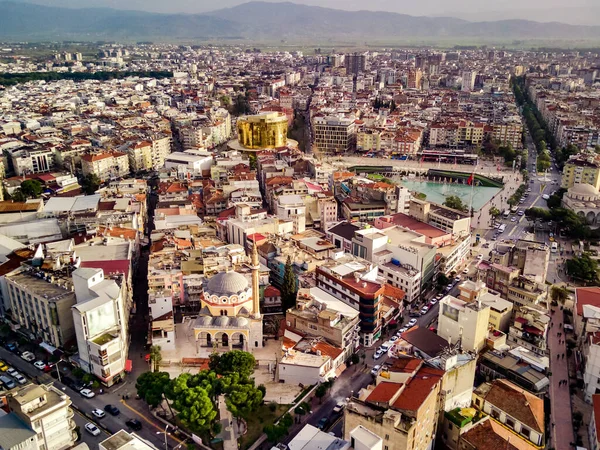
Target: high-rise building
[414,79]
[102,338]
[468,80]
[333,134]
[355,63]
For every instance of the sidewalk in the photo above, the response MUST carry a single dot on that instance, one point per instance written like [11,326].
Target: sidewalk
[561,426]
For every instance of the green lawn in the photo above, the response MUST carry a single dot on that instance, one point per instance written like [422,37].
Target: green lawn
[264,416]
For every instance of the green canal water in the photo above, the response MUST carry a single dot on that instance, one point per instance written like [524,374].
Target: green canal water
[437,192]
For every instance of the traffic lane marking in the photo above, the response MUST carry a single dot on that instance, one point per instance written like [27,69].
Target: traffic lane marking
[149,421]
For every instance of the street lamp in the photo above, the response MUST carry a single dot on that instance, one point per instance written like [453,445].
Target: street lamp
[58,370]
[165,433]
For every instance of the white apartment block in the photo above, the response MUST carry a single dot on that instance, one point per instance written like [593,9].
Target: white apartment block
[140,156]
[591,376]
[100,325]
[468,80]
[464,321]
[46,410]
[191,137]
[333,134]
[106,166]
[161,147]
[26,162]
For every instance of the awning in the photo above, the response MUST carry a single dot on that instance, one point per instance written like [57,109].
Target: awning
[128,365]
[50,349]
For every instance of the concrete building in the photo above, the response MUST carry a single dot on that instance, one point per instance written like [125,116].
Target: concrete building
[447,219]
[47,411]
[467,322]
[468,80]
[529,329]
[583,168]
[594,425]
[42,305]
[333,135]
[106,166]
[100,328]
[514,407]
[189,164]
[355,63]
[500,310]
[15,434]
[122,440]
[591,374]
[30,161]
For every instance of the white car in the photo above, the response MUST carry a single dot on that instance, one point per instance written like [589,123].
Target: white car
[513,219]
[375,370]
[28,356]
[39,365]
[12,372]
[401,330]
[480,257]
[339,407]
[411,323]
[98,413]
[92,429]
[394,338]
[88,393]
[20,378]
[378,353]
[433,301]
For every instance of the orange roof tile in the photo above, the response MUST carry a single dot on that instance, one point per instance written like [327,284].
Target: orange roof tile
[384,392]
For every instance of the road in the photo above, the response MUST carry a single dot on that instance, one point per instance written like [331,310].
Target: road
[84,406]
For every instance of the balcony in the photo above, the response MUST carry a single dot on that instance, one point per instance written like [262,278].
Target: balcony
[70,413]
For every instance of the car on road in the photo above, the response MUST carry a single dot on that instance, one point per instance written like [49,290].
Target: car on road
[7,382]
[48,367]
[28,356]
[545,196]
[3,366]
[87,393]
[496,225]
[92,429]
[339,407]
[77,386]
[414,314]
[521,213]
[375,370]
[20,378]
[134,424]
[39,365]
[378,354]
[411,323]
[11,347]
[394,338]
[11,371]
[112,410]
[98,413]
[401,330]
[433,301]
[322,423]
[513,219]
[424,309]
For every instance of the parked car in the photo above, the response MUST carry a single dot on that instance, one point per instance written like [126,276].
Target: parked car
[77,386]
[394,338]
[98,413]
[7,382]
[11,347]
[48,367]
[87,393]
[378,353]
[375,370]
[28,356]
[112,410]
[322,423]
[424,309]
[401,330]
[11,371]
[39,365]
[433,301]
[414,314]
[412,323]
[67,381]
[20,378]
[92,429]
[3,366]
[134,424]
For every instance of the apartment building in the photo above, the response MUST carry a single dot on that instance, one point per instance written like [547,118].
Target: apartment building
[404,414]
[501,310]
[594,425]
[140,156]
[30,161]
[15,434]
[352,280]
[368,140]
[47,411]
[468,80]
[41,303]
[100,328]
[462,321]
[106,166]
[123,440]
[447,219]
[333,135]
[582,168]
[355,63]
[529,330]
[514,407]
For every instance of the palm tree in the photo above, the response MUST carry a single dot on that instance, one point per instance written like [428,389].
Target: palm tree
[155,357]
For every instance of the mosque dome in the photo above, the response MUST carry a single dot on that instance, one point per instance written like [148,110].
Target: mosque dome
[227,283]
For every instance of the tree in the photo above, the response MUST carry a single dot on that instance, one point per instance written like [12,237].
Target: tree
[234,361]
[559,294]
[31,188]
[355,359]
[321,392]
[442,280]
[196,409]
[494,212]
[18,196]
[454,202]
[90,183]
[151,387]
[583,268]
[243,400]
[421,196]
[155,357]
[276,432]
[288,288]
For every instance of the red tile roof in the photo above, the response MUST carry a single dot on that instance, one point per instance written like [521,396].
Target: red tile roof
[587,296]
[418,389]
[384,392]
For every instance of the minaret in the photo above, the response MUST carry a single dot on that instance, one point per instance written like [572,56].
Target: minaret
[255,284]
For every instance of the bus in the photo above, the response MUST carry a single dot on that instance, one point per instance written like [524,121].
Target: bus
[501,228]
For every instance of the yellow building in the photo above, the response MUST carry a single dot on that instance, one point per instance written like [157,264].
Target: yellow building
[230,311]
[581,168]
[267,130]
[368,140]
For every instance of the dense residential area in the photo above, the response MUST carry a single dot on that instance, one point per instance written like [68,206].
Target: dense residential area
[222,247]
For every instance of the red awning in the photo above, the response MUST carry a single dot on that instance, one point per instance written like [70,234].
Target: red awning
[128,365]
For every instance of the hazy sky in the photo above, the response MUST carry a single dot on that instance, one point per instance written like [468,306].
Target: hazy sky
[573,11]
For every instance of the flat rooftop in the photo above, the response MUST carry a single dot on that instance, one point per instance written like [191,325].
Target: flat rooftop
[122,440]
[41,287]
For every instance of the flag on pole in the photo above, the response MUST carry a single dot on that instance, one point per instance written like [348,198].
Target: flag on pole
[470,180]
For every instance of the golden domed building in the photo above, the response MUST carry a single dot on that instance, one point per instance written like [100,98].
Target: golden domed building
[261,132]
[230,311]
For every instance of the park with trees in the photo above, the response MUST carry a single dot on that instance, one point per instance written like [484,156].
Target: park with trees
[191,399]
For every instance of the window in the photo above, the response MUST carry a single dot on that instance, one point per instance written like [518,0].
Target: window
[478,402]
[525,432]
[387,437]
[510,423]
[495,414]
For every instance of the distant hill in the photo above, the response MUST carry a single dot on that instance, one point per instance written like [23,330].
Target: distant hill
[266,21]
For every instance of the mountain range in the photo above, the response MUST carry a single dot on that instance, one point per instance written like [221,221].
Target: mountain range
[268,22]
